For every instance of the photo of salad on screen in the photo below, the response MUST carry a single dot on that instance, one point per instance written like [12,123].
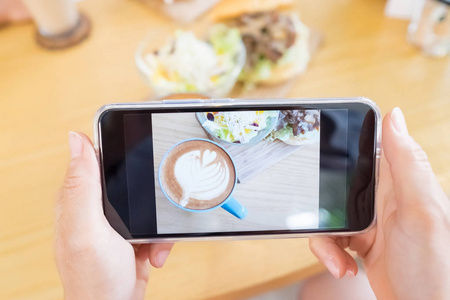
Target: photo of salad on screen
[294,127]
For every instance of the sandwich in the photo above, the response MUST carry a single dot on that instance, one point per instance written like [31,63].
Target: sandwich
[275,38]
[297,127]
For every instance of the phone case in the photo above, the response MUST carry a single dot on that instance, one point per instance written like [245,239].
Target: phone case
[227,103]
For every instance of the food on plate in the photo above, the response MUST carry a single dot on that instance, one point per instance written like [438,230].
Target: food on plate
[188,64]
[297,127]
[239,127]
[276,44]
[276,41]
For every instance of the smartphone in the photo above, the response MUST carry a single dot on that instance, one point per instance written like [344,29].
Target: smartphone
[190,169]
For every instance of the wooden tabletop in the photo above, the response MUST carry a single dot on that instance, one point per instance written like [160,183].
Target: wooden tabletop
[45,94]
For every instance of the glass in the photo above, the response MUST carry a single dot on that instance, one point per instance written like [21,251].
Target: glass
[54,17]
[430,27]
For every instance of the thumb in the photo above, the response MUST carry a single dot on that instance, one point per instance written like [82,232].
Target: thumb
[415,184]
[80,196]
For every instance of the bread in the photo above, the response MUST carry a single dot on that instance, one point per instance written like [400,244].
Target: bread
[227,9]
[284,72]
[307,138]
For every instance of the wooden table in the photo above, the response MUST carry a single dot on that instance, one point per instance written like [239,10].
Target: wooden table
[45,94]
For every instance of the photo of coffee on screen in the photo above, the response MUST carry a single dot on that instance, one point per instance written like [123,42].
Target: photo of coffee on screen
[197,174]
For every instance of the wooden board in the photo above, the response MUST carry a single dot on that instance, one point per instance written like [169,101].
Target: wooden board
[253,159]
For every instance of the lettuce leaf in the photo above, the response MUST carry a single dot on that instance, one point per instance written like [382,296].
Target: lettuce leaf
[284,134]
[225,39]
[262,70]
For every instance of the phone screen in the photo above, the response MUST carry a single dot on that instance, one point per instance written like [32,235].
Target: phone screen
[238,171]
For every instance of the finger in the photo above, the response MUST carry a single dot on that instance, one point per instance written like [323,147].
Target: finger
[336,259]
[158,253]
[352,266]
[80,196]
[142,262]
[414,181]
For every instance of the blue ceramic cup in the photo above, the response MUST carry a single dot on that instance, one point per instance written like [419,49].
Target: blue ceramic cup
[230,204]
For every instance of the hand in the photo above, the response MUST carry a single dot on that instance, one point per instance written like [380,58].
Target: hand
[406,253]
[13,11]
[93,260]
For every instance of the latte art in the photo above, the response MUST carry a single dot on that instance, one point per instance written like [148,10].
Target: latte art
[201,175]
[197,174]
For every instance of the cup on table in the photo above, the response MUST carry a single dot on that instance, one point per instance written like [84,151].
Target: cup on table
[430,27]
[198,175]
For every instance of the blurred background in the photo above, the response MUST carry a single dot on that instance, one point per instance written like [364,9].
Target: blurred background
[61,60]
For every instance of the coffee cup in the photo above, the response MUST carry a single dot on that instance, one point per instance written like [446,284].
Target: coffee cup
[199,175]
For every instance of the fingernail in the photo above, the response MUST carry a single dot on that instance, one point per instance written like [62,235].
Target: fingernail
[350,273]
[398,120]
[333,267]
[75,144]
[161,258]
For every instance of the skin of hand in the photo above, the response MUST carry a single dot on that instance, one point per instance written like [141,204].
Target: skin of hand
[93,260]
[13,11]
[406,254]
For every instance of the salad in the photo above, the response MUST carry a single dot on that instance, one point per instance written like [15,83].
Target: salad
[239,127]
[188,64]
